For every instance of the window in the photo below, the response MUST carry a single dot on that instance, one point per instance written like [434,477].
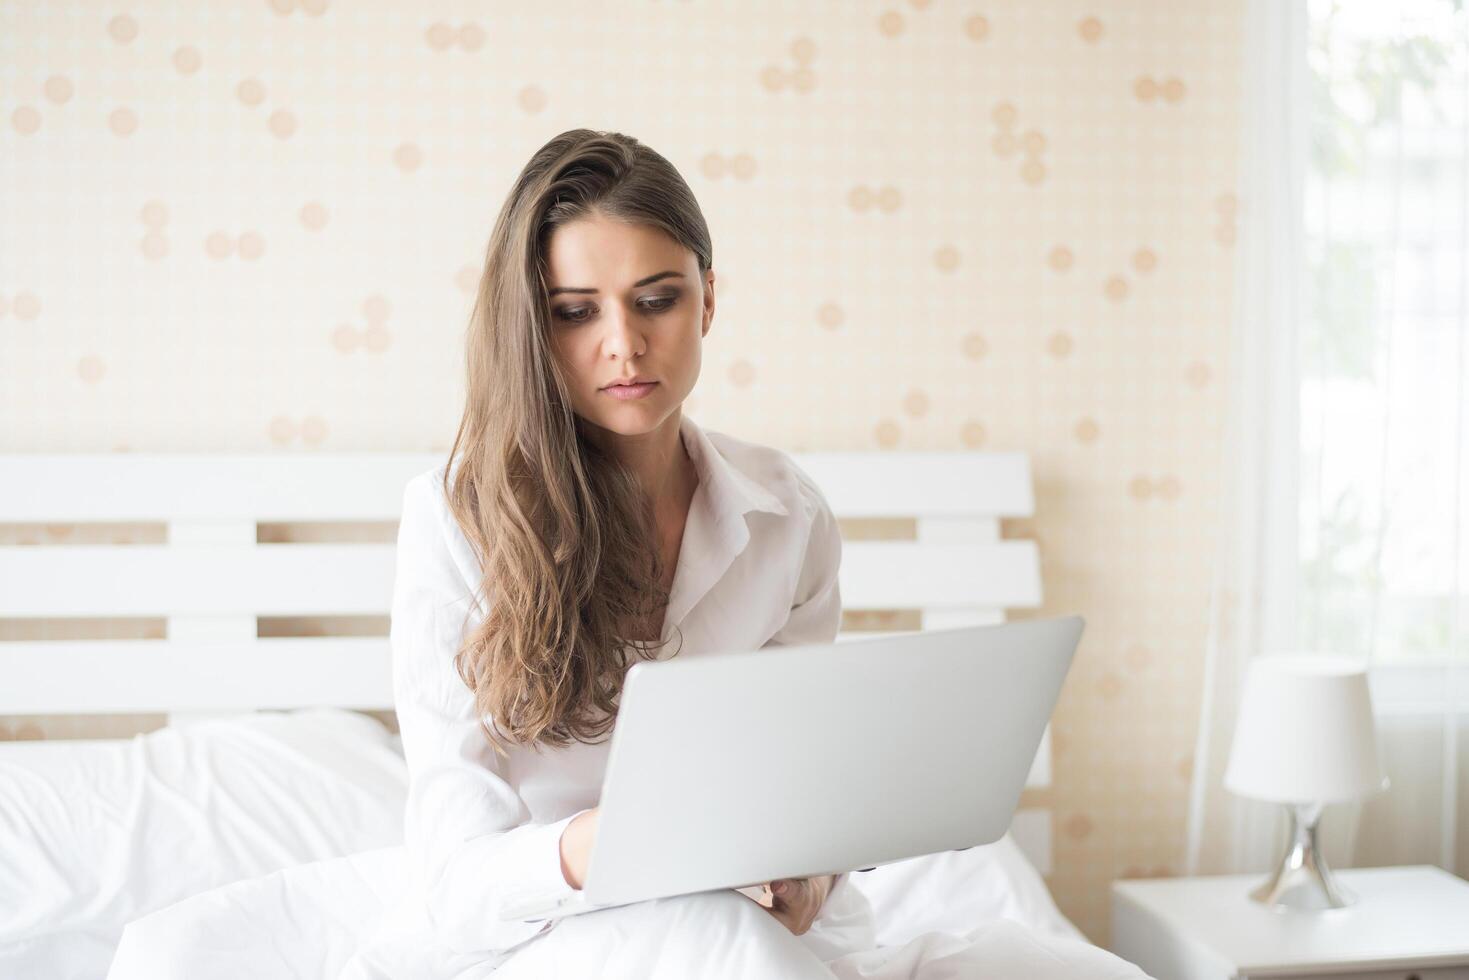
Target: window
[1384,522]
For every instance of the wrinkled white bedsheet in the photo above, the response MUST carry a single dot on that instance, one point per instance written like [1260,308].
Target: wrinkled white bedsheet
[96,833]
[358,918]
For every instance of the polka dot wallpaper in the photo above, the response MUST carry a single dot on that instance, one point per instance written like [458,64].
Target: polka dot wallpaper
[938,224]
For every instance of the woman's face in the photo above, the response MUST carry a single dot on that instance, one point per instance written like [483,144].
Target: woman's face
[626,301]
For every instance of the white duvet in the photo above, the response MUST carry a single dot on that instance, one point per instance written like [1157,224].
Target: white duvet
[268,847]
[356,918]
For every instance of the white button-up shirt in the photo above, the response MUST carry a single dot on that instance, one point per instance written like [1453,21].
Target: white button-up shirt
[757,567]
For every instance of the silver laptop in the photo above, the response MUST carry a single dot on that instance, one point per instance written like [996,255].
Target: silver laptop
[732,769]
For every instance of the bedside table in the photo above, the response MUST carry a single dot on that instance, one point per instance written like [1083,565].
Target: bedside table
[1409,922]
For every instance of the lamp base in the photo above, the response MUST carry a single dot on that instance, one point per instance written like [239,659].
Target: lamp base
[1302,882]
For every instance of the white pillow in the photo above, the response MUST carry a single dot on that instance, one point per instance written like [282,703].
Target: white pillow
[959,891]
[96,833]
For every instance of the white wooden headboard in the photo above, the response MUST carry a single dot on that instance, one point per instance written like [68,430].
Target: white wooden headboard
[212,579]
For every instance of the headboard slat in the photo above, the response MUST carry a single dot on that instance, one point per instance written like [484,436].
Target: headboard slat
[93,676]
[357,579]
[180,677]
[47,488]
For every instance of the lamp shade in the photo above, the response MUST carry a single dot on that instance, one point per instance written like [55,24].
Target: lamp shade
[1305,732]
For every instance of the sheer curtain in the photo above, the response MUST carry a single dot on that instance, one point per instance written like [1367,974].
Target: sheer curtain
[1344,523]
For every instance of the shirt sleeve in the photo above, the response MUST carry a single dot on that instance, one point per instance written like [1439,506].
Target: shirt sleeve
[469,834]
[816,614]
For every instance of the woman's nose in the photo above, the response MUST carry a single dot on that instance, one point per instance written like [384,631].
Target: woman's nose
[623,338]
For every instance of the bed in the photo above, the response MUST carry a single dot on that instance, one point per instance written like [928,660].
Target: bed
[277,786]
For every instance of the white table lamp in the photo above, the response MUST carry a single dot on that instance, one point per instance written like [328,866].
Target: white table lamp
[1305,737]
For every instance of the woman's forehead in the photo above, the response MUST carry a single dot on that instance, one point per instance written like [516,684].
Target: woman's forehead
[601,252]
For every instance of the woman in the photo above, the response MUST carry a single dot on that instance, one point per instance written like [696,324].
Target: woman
[579,528]
[583,522]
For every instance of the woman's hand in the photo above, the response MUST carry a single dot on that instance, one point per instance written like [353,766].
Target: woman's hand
[576,846]
[797,901]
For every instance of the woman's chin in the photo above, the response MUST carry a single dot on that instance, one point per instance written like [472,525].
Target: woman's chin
[632,419]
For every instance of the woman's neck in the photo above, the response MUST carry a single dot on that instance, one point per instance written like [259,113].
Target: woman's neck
[659,461]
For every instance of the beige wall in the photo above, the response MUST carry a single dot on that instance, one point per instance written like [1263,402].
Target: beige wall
[938,225]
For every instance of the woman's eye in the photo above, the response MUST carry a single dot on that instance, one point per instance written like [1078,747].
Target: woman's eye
[579,314]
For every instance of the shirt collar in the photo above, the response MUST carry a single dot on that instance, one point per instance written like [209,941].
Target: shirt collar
[730,490]
[715,531]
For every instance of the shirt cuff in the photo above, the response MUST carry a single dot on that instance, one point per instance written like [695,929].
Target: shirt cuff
[539,878]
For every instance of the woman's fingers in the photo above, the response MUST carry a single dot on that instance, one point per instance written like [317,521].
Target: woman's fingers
[795,903]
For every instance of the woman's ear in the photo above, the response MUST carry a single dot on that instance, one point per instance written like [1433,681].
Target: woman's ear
[708,302]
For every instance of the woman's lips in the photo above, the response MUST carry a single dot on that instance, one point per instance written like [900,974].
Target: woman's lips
[629,392]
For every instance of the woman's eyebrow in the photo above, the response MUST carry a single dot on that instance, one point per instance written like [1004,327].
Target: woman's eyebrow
[641,282]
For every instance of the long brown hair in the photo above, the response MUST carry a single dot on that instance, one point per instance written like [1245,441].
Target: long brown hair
[564,532]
